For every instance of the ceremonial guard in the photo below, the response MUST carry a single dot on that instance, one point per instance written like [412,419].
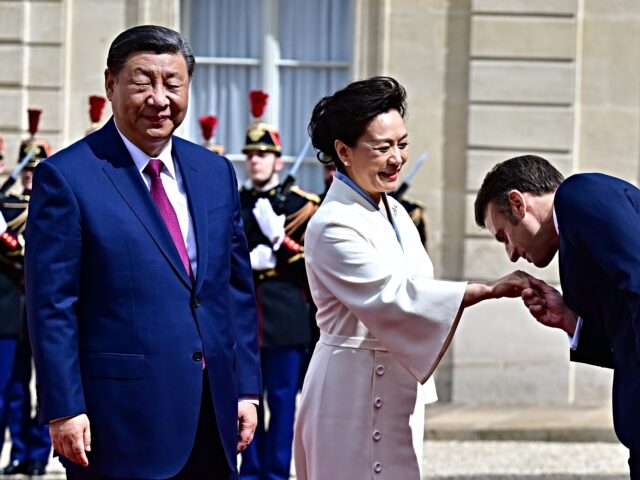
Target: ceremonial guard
[414,208]
[30,441]
[275,219]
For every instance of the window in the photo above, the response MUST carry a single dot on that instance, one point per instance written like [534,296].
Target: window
[296,50]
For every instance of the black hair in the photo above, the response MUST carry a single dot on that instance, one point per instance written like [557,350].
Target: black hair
[148,38]
[346,114]
[527,173]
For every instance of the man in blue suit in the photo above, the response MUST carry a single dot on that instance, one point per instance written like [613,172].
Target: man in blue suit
[139,287]
[593,221]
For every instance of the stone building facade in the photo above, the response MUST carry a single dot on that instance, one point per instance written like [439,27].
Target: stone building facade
[487,79]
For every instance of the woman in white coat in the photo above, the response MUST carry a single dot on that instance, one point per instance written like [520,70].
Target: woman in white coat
[384,322]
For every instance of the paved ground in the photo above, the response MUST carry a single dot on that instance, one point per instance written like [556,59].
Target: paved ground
[521,460]
[507,443]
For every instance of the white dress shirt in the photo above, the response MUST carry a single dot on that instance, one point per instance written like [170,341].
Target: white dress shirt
[174,187]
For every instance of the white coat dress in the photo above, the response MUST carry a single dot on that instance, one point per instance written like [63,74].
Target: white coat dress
[385,324]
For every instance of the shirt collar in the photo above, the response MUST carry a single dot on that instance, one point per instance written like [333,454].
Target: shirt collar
[141,159]
[555,221]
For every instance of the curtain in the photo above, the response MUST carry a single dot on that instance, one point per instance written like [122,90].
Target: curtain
[308,30]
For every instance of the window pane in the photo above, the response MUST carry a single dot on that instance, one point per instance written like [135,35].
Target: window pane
[222,91]
[317,30]
[226,28]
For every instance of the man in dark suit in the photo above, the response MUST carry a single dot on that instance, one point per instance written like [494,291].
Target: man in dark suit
[593,221]
[139,288]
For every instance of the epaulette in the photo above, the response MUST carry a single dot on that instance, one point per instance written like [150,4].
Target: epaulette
[413,202]
[312,197]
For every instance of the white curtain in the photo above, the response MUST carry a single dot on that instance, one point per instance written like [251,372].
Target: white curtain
[231,29]
[309,30]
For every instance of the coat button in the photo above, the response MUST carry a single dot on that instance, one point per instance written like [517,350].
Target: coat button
[197,357]
[377,467]
[380,370]
[378,402]
[377,435]
[196,302]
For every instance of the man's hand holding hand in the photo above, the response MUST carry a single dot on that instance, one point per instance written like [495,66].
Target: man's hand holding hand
[546,305]
[71,437]
[247,423]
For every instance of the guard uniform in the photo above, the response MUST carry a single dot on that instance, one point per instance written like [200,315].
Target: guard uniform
[285,331]
[31,444]
[416,212]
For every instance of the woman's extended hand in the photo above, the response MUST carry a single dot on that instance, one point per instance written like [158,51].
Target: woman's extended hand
[510,285]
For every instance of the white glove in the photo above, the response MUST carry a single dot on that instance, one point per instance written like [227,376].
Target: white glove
[262,258]
[272,225]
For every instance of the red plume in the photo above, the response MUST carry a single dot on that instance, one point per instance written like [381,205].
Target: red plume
[208,125]
[34,120]
[258,100]
[96,105]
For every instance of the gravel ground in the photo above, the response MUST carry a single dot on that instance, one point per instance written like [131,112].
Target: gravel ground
[489,460]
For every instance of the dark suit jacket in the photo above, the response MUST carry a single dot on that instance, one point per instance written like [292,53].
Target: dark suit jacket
[599,222]
[116,325]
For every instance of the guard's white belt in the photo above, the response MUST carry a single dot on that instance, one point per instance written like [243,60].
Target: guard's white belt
[351,342]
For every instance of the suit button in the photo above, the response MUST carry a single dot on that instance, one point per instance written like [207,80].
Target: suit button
[380,370]
[378,402]
[197,357]
[196,302]
[377,435]
[377,467]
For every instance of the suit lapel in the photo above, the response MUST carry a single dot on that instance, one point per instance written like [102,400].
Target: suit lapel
[128,182]
[195,187]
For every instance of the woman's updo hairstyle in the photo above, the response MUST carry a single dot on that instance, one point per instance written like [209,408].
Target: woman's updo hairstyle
[346,114]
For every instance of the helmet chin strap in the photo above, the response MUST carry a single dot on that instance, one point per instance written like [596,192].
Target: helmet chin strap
[270,182]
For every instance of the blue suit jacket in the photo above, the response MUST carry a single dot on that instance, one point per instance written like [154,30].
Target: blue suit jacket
[116,324]
[599,222]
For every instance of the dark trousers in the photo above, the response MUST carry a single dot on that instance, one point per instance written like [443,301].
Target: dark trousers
[634,464]
[268,457]
[30,440]
[207,460]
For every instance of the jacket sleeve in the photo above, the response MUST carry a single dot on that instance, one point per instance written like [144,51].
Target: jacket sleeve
[592,349]
[605,224]
[413,318]
[52,272]
[243,308]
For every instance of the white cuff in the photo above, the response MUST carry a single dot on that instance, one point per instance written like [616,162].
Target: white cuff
[573,340]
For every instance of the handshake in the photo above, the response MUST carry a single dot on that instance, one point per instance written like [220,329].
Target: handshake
[543,301]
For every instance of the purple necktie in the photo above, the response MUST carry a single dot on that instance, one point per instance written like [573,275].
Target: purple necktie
[153,169]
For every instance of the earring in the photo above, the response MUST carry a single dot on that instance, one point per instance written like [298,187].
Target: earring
[346,164]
